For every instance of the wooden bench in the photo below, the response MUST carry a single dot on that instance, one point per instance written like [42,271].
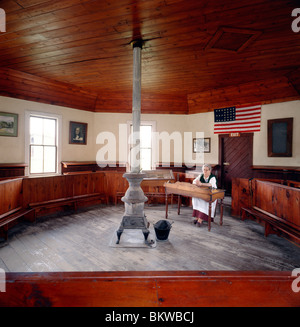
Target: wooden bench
[77,172]
[293,184]
[70,202]
[28,197]
[272,225]
[10,217]
[11,204]
[118,196]
[150,289]
[276,206]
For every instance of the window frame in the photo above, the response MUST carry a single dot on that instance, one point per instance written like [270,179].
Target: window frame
[58,119]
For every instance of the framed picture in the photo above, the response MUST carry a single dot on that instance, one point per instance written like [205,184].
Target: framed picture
[78,133]
[8,124]
[280,137]
[201,145]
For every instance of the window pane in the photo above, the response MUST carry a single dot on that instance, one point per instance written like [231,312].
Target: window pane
[49,131]
[49,159]
[145,135]
[36,130]
[130,135]
[145,147]
[145,159]
[36,159]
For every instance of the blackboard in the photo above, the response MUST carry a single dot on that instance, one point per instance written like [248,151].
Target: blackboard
[280,133]
[279,137]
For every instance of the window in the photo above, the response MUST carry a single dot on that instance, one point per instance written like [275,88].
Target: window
[146,147]
[147,151]
[42,143]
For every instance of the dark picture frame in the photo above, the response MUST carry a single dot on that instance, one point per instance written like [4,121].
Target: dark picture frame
[280,137]
[78,133]
[8,124]
[201,145]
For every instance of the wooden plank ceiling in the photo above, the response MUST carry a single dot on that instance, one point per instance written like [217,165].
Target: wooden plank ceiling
[199,55]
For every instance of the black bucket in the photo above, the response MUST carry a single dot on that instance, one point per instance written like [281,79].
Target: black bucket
[162,229]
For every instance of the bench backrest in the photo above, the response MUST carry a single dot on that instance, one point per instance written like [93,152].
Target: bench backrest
[279,200]
[150,289]
[42,189]
[10,194]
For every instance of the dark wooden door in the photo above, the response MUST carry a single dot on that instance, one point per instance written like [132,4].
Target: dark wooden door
[236,154]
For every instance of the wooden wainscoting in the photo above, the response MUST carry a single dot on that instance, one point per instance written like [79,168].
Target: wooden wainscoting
[150,289]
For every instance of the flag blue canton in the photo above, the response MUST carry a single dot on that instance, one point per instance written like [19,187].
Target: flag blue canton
[225,114]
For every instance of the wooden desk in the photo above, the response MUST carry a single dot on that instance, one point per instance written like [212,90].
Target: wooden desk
[155,181]
[152,183]
[190,190]
[158,177]
[12,170]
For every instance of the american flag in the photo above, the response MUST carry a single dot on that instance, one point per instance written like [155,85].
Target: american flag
[237,119]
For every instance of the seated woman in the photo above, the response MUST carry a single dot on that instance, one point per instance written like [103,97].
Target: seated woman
[200,207]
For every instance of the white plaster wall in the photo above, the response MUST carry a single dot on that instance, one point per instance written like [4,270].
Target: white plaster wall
[13,148]
[260,140]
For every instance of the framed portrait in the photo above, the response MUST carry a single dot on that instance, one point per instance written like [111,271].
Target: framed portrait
[78,133]
[8,124]
[201,145]
[280,137]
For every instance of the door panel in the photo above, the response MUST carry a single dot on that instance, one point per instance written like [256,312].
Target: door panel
[235,155]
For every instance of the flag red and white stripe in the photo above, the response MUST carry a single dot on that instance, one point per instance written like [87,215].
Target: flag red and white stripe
[247,119]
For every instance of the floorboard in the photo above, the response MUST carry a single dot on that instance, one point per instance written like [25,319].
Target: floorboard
[80,241]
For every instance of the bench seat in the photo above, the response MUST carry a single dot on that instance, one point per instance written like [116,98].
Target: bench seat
[69,201]
[9,217]
[272,224]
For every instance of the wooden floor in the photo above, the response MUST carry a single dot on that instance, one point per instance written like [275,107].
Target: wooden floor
[82,241]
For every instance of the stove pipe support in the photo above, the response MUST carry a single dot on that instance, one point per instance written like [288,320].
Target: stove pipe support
[136,104]
[134,199]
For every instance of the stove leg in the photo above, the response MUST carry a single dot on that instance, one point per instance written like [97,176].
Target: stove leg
[146,233]
[119,233]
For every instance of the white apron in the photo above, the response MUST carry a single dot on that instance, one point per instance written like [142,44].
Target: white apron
[201,205]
